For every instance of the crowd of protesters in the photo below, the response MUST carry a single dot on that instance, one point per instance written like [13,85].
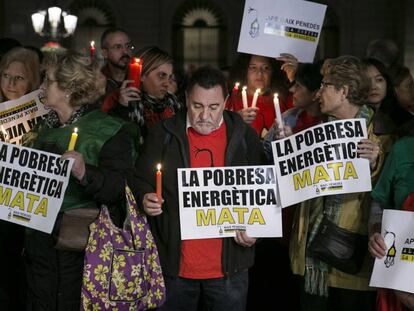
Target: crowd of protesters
[171,118]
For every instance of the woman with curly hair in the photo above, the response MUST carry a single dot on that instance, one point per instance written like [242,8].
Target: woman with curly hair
[102,161]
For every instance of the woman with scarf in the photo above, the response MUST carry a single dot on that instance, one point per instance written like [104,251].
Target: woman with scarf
[152,102]
[103,159]
[344,90]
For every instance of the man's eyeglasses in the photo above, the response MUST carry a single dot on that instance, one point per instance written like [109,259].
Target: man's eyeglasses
[118,47]
[325,84]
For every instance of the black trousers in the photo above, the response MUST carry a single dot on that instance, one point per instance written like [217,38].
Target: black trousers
[12,280]
[54,277]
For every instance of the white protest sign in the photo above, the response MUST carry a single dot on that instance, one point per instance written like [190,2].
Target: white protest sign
[17,117]
[217,201]
[321,160]
[396,269]
[271,27]
[32,186]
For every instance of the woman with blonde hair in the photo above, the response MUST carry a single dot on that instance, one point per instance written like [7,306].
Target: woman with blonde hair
[19,75]
[19,72]
[152,102]
[102,161]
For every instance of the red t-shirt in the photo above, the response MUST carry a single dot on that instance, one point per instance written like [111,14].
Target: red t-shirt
[266,114]
[201,259]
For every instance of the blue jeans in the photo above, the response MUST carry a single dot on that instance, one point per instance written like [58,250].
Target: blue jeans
[221,294]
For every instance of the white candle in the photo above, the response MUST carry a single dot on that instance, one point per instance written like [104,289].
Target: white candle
[244,97]
[277,110]
[255,96]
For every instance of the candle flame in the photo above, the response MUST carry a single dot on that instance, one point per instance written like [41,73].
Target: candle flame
[75,130]
[159,166]
[244,88]
[136,60]
[276,95]
[92,44]
[236,85]
[258,91]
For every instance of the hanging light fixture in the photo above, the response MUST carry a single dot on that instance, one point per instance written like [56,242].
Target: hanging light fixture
[55,15]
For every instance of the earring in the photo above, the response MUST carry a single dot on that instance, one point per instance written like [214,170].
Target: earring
[67,95]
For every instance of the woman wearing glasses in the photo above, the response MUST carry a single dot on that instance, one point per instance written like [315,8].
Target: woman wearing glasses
[19,74]
[152,102]
[344,90]
[103,159]
[258,72]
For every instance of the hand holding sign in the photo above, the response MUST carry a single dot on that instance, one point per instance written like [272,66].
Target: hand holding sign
[243,239]
[79,167]
[370,150]
[376,245]
[290,65]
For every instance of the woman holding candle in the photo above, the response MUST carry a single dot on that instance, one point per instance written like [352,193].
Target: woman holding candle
[19,75]
[103,158]
[262,76]
[152,102]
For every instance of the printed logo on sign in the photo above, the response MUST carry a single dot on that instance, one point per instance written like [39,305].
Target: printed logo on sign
[407,253]
[254,26]
[389,239]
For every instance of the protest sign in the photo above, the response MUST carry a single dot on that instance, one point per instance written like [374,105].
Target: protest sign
[32,186]
[17,117]
[396,269]
[321,160]
[271,27]
[217,201]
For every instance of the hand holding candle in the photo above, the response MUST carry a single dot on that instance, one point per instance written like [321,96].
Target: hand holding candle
[159,183]
[73,139]
[255,96]
[92,49]
[277,110]
[134,72]
[244,97]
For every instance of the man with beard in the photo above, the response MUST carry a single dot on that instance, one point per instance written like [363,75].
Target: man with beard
[117,52]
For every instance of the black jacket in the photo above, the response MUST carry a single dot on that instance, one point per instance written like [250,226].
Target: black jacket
[167,143]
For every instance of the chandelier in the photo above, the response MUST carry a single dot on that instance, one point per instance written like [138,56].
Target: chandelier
[55,16]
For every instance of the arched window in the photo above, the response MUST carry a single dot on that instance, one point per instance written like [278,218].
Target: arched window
[93,18]
[198,35]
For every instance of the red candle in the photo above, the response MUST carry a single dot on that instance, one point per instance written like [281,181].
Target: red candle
[134,73]
[92,49]
[159,183]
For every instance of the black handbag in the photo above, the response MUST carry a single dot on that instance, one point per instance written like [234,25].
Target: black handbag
[338,247]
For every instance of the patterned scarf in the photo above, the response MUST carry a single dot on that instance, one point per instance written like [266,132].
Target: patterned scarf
[136,108]
[52,119]
[316,271]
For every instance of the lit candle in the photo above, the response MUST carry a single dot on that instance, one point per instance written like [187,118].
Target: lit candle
[5,135]
[134,72]
[277,110]
[92,49]
[159,183]
[244,97]
[73,139]
[255,96]
[235,89]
